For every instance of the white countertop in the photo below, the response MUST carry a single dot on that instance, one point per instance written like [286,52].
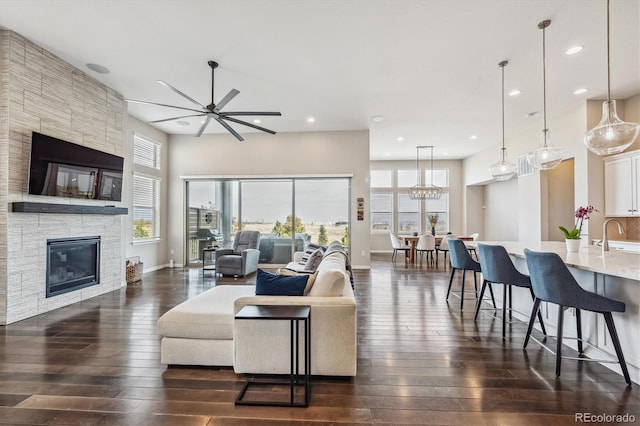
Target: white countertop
[591,258]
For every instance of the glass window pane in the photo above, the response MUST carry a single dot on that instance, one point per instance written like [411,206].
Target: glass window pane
[381,179]
[145,152]
[381,221]
[323,208]
[381,202]
[406,204]
[408,222]
[440,177]
[440,205]
[145,205]
[407,178]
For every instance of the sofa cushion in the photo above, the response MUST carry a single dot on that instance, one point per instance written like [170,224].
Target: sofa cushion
[310,281]
[268,284]
[208,315]
[314,260]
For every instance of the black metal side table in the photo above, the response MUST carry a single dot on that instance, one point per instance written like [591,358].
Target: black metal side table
[294,314]
[211,266]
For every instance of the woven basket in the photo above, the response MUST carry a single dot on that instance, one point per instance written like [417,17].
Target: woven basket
[134,269]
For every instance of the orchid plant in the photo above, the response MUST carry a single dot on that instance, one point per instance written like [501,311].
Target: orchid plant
[582,214]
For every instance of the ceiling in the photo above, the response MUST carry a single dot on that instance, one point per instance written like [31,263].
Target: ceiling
[429,67]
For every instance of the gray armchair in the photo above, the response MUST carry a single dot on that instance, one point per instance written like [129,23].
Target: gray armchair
[243,258]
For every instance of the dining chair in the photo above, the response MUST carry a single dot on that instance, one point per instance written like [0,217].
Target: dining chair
[398,246]
[552,282]
[444,247]
[497,268]
[426,244]
[461,260]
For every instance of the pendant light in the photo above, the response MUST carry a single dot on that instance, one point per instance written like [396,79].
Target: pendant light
[546,156]
[611,135]
[424,192]
[503,170]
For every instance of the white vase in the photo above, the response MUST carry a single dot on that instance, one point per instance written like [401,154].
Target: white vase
[573,246]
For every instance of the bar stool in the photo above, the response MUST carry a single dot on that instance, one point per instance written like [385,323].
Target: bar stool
[461,260]
[552,282]
[497,268]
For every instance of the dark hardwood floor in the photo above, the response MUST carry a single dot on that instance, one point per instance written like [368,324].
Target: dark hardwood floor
[421,361]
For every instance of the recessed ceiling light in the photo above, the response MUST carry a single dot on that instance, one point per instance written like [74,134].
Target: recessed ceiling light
[400,138]
[514,92]
[257,121]
[98,68]
[473,137]
[182,123]
[311,120]
[377,118]
[573,50]
[580,91]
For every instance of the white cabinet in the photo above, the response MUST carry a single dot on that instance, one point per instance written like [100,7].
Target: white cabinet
[622,184]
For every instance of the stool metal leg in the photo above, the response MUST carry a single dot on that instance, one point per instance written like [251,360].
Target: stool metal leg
[616,344]
[579,334]
[533,297]
[559,339]
[464,275]
[453,271]
[534,311]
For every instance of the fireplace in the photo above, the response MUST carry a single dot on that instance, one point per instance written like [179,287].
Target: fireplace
[72,264]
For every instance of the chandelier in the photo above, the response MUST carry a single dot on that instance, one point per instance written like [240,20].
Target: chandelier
[503,169]
[611,135]
[424,192]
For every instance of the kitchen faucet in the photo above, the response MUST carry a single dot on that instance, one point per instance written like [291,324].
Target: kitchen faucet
[605,239]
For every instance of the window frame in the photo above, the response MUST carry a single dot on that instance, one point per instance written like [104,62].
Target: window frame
[149,169]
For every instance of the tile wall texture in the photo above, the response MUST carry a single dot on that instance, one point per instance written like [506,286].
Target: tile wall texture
[40,92]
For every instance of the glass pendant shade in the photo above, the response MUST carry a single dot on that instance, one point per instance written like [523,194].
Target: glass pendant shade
[502,169]
[546,156]
[611,135]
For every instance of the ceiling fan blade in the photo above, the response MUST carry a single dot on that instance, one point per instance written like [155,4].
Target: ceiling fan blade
[175,118]
[204,126]
[163,105]
[261,113]
[230,129]
[232,94]
[190,99]
[244,123]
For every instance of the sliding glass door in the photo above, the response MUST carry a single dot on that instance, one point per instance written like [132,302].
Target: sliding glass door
[290,214]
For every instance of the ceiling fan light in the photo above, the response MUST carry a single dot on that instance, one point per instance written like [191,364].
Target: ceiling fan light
[611,135]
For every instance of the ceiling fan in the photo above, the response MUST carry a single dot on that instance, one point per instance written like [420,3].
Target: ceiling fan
[212,111]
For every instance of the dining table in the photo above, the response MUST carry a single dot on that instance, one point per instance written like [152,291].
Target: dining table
[412,242]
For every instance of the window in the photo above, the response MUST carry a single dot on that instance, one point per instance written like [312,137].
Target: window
[408,214]
[146,189]
[381,212]
[146,153]
[381,179]
[407,178]
[440,177]
[145,206]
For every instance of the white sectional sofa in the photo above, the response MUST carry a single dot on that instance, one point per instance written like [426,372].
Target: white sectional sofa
[202,330]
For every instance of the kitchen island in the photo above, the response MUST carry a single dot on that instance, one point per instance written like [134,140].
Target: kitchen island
[614,274]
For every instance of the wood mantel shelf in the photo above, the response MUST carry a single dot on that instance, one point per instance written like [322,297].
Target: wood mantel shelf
[32,207]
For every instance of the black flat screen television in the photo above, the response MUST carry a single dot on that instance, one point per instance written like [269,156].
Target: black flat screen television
[63,169]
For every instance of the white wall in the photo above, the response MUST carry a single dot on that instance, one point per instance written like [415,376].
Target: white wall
[154,254]
[262,155]
[501,221]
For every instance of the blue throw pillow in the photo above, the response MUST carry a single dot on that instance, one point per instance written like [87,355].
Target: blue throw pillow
[268,284]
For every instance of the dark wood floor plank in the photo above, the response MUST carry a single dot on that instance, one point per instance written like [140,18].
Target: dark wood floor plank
[420,361]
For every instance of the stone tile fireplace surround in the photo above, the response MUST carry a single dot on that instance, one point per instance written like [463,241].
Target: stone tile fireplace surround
[40,92]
